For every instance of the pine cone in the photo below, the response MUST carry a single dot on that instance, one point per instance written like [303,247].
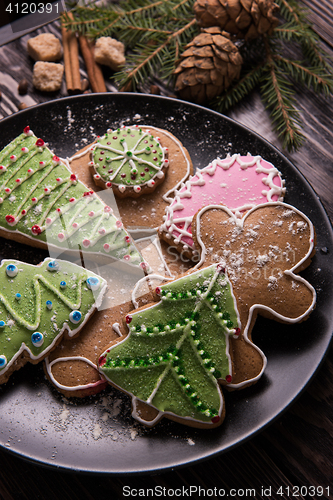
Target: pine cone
[207,66]
[244,18]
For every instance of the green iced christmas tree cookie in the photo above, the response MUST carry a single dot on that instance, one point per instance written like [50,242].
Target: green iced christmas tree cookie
[43,203]
[37,305]
[178,349]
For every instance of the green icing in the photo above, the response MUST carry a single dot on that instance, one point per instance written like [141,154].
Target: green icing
[46,202]
[178,347]
[128,156]
[38,300]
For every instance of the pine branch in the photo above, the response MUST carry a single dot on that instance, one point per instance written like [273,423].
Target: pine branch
[290,11]
[278,95]
[313,77]
[297,29]
[149,59]
[156,33]
[239,90]
[108,18]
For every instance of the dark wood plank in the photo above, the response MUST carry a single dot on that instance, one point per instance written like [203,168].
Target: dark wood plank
[16,64]
[321,16]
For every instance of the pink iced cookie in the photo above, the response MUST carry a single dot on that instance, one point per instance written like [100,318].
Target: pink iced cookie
[238,182]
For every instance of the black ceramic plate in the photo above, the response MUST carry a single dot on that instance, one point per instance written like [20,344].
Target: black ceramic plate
[99,435]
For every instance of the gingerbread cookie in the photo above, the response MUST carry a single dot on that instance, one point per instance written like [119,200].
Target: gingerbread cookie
[238,182]
[45,205]
[263,253]
[130,160]
[146,211]
[72,366]
[39,304]
[179,351]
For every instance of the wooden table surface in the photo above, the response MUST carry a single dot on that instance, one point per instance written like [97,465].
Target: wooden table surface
[297,449]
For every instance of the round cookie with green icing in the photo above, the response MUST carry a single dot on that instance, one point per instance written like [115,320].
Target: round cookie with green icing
[38,304]
[177,351]
[130,160]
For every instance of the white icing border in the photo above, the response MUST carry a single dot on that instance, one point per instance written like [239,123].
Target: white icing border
[161,413]
[48,366]
[146,278]
[52,246]
[169,224]
[166,196]
[289,272]
[156,242]
[97,303]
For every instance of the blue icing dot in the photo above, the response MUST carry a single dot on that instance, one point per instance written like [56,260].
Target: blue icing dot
[53,265]
[3,361]
[63,284]
[75,316]
[2,324]
[37,339]
[93,283]
[11,270]
[49,304]
[17,296]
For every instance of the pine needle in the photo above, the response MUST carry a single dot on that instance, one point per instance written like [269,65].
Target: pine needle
[156,33]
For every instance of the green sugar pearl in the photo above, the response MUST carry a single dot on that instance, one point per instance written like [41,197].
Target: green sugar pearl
[129,153]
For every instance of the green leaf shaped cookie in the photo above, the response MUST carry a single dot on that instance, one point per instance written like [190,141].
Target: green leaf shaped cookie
[37,305]
[178,348]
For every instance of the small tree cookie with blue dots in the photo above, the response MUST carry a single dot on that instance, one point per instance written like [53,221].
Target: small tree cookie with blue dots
[38,304]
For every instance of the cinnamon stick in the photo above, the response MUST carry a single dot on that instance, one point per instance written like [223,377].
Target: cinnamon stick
[71,61]
[75,65]
[99,77]
[67,59]
[94,71]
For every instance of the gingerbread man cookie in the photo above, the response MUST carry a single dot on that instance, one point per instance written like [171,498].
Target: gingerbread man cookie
[263,253]
[201,327]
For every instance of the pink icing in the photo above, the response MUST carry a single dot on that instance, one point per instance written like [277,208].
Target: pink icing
[238,182]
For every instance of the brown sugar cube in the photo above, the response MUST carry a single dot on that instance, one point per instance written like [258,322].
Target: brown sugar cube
[44,47]
[110,52]
[47,76]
